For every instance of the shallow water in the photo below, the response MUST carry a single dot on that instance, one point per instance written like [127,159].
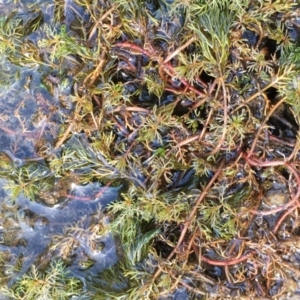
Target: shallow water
[34,233]
[29,229]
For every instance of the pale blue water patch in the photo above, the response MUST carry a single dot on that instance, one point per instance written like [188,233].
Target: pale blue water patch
[37,231]
[30,111]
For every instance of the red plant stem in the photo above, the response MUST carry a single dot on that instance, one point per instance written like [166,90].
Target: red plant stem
[296,174]
[30,134]
[165,66]
[282,218]
[177,92]
[290,166]
[131,46]
[274,108]
[194,210]
[169,69]
[7,130]
[272,211]
[295,200]
[282,142]
[191,216]
[227,262]
[257,163]
[88,198]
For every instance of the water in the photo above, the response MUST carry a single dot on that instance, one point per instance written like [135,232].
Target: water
[34,104]
[31,230]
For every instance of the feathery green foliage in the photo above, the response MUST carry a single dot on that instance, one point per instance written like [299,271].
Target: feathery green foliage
[192,106]
[54,284]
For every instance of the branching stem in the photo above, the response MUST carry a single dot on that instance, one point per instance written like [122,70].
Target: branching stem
[192,215]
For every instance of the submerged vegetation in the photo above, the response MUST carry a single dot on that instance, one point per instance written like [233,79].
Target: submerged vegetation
[188,110]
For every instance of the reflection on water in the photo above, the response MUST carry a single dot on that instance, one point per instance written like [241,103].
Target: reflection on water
[32,233]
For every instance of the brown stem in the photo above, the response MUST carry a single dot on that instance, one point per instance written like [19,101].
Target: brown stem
[64,137]
[283,142]
[165,66]
[258,163]
[263,125]
[282,218]
[174,53]
[295,200]
[99,22]
[272,211]
[191,216]
[132,48]
[227,262]
[169,69]
[221,140]
[90,79]
[257,94]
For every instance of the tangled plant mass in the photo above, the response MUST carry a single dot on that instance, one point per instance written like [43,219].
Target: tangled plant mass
[186,113]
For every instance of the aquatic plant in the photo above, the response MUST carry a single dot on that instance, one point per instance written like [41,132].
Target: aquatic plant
[192,107]
[53,283]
